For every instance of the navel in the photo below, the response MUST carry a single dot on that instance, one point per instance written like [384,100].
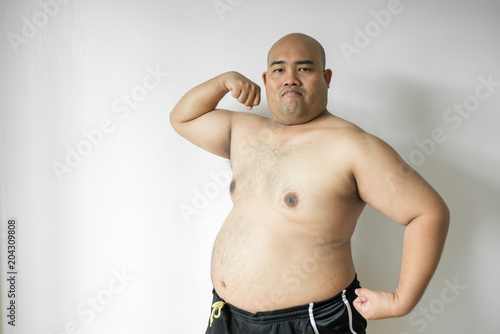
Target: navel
[231,186]
[291,200]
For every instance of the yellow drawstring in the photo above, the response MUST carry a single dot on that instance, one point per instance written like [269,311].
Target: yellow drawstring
[217,306]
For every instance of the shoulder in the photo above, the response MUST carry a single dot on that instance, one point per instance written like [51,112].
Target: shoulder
[350,135]
[355,143]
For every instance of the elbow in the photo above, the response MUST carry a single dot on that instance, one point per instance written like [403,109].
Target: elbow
[444,216]
[439,221]
[172,117]
[174,120]
[436,216]
[440,213]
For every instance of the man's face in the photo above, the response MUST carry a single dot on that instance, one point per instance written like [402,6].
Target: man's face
[296,84]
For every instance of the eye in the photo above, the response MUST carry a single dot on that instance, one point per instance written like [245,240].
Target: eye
[279,70]
[304,69]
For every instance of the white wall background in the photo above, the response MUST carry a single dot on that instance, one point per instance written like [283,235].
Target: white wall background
[67,71]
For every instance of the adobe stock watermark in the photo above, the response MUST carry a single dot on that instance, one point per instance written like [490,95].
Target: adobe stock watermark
[94,137]
[222,179]
[89,309]
[223,6]
[202,197]
[293,278]
[31,27]
[422,317]
[454,117]
[363,37]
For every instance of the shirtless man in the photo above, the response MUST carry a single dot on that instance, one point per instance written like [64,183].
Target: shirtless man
[282,260]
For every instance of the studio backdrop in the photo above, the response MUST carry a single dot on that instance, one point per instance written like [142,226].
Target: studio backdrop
[108,217]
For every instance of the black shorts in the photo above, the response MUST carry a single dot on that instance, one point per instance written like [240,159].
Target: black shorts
[336,315]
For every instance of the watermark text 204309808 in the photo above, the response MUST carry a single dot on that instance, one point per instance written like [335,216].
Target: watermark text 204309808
[30,28]
[12,273]
[94,137]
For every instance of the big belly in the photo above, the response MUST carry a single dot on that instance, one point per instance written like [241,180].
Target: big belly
[263,261]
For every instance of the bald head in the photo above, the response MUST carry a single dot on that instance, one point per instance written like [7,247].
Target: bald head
[295,39]
[296,80]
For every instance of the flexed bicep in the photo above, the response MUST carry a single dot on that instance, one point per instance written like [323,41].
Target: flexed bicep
[210,131]
[196,118]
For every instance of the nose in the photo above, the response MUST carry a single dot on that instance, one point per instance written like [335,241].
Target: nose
[291,79]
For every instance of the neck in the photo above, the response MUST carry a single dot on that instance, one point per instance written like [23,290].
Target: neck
[277,124]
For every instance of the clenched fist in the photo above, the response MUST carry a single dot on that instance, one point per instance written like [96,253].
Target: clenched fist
[242,89]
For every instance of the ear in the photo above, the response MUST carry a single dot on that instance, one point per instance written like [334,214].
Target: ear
[264,77]
[328,76]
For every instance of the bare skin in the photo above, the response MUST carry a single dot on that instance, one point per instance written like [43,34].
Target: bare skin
[300,182]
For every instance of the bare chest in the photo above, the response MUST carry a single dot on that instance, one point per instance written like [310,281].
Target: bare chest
[290,174]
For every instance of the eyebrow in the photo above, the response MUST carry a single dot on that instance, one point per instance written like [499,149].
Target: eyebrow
[299,62]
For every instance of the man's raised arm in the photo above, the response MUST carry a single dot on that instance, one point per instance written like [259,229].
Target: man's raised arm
[196,119]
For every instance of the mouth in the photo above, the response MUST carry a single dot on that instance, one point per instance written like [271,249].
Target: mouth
[291,92]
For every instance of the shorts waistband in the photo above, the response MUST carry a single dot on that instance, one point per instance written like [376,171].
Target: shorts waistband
[295,312]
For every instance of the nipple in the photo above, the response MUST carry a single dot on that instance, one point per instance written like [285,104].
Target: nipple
[231,186]
[291,200]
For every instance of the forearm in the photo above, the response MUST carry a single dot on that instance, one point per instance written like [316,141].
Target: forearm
[199,100]
[423,244]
